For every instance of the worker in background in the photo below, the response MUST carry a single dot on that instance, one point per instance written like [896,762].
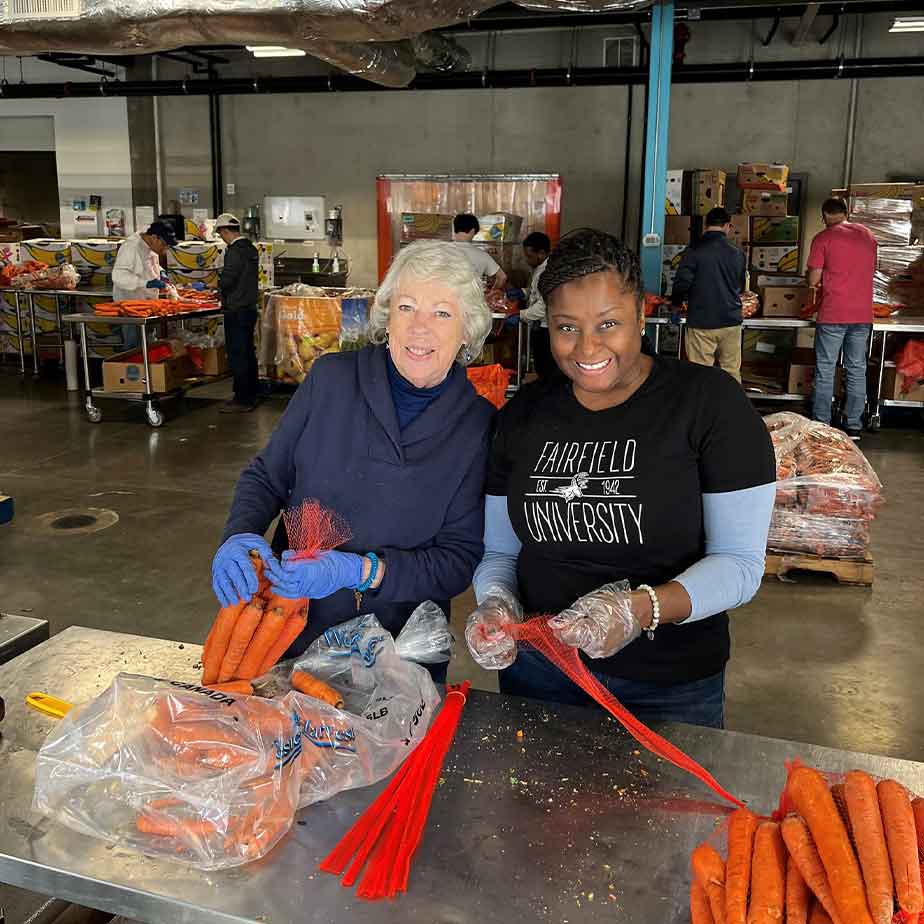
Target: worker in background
[464,229]
[842,261]
[710,279]
[240,292]
[175,218]
[536,249]
[137,273]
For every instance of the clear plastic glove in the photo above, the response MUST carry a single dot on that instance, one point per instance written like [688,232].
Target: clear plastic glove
[233,574]
[491,647]
[599,623]
[425,637]
[156,284]
[315,578]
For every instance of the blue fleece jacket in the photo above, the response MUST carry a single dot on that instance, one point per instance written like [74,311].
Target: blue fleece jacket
[414,496]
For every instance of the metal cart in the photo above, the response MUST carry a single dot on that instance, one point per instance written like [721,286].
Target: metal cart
[543,812]
[150,400]
[61,295]
[884,327]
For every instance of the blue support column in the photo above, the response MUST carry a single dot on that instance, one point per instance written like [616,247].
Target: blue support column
[659,99]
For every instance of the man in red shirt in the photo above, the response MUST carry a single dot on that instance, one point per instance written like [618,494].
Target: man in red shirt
[842,261]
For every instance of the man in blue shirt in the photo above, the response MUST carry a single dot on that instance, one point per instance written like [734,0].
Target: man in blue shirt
[710,279]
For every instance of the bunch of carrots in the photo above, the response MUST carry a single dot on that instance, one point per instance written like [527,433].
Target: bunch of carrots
[247,639]
[205,298]
[844,854]
[147,308]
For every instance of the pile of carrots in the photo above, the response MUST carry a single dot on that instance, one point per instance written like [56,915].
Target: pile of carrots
[844,854]
[247,639]
[148,308]
[206,298]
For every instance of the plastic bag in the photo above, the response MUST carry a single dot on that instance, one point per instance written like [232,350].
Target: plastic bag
[306,328]
[213,780]
[425,637]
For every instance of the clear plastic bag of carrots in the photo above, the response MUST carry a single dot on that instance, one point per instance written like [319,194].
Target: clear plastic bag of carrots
[840,849]
[212,778]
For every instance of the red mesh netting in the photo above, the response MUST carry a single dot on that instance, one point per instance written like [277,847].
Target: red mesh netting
[537,633]
[312,528]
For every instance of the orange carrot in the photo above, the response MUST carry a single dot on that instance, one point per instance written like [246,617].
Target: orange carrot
[700,912]
[798,895]
[742,826]
[917,807]
[290,632]
[839,794]
[802,849]
[819,916]
[869,837]
[898,822]
[813,801]
[263,583]
[288,606]
[217,642]
[709,871]
[263,639]
[165,826]
[768,876]
[244,687]
[311,686]
[243,632]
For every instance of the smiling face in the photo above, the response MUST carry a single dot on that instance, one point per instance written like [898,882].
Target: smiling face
[595,326]
[425,330]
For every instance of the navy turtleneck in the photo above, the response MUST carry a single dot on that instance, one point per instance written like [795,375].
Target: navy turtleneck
[410,401]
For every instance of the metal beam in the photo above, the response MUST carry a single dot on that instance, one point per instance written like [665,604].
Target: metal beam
[77,63]
[806,23]
[655,172]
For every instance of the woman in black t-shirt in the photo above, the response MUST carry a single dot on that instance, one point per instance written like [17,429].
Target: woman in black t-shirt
[632,499]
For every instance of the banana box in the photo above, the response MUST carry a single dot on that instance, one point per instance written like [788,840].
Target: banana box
[45,250]
[194,255]
[191,230]
[94,255]
[780,259]
[98,279]
[266,275]
[8,324]
[9,252]
[670,263]
[183,277]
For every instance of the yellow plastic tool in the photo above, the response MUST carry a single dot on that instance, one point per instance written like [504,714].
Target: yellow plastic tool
[50,705]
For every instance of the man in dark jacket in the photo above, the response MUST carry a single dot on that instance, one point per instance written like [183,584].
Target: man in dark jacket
[711,278]
[239,288]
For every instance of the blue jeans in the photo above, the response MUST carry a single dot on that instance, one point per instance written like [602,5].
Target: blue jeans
[829,339]
[700,702]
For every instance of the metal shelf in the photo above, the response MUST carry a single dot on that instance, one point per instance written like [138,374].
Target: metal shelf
[894,402]
[760,396]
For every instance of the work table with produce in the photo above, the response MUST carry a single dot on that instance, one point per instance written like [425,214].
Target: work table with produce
[542,813]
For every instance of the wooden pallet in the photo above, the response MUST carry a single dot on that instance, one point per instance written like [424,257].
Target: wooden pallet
[846,572]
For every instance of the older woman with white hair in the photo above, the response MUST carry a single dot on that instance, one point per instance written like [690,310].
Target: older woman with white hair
[395,439]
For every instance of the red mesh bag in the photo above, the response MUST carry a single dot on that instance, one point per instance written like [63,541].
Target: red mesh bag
[538,634]
[909,362]
[490,382]
[313,529]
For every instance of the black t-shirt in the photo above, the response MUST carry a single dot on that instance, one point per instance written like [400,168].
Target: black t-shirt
[598,496]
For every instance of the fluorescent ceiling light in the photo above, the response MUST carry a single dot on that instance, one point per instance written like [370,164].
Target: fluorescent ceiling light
[908,24]
[275,51]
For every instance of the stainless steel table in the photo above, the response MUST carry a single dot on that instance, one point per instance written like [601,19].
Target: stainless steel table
[886,326]
[150,399]
[572,822]
[59,294]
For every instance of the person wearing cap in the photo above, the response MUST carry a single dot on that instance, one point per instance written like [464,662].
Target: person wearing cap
[175,218]
[137,273]
[239,288]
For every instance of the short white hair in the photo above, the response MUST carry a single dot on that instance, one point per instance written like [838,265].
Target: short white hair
[447,263]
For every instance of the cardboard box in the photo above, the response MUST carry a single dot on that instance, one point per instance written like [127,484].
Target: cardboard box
[707,190]
[184,277]
[779,279]
[783,258]
[214,361]
[678,229]
[420,226]
[786,301]
[670,262]
[763,176]
[801,379]
[741,231]
[121,376]
[500,227]
[761,202]
[885,190]
[805,338]
[766,230]
[892,384]
[673,193]
[195,255]
[767,378]
[46,250]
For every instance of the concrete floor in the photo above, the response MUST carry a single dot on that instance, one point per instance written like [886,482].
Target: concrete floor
[813,661]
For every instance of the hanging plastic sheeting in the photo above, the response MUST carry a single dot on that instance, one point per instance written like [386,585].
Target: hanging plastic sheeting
[585,6]
[333,30]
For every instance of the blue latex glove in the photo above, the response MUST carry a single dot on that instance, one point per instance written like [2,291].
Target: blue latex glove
[233,574]
[315,578]
[156,284]
[198,286]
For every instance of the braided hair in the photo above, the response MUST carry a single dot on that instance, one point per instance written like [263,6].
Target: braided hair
[584,252]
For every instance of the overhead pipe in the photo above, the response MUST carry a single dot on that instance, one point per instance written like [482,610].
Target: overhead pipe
[852,108]
[734,72]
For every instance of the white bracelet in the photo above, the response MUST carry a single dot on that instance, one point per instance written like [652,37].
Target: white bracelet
[655,609]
